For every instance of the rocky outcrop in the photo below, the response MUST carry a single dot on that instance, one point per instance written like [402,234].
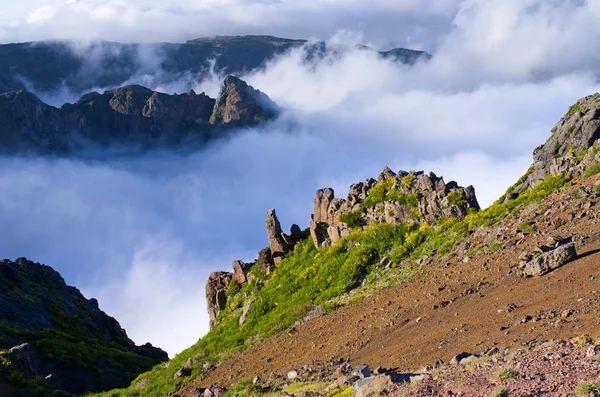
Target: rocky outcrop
[241,104]
[279,242]
[126,115]
[571,149]
[392,198]
[218,283]
[51,331]
[216,287]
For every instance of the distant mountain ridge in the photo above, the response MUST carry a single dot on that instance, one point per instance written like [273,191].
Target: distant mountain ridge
[128,115]
[52,65]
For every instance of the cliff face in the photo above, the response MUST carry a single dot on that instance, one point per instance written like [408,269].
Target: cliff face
[50,330]
[131,114]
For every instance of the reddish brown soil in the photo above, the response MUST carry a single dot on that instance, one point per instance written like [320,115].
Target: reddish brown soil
[554,370]
[400,328]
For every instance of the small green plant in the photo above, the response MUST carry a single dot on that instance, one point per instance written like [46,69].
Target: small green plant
[574,109]
[570,129]
[527,226]
[592,170]
[233,289]
[499,392]
[456,197]
[585,389]
[352,219]
[597,190]
[408,180]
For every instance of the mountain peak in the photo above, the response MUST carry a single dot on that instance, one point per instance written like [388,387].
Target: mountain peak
[241,104]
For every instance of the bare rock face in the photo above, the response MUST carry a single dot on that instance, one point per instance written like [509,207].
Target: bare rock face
[571,149]
[392,198]
[240,104]
[240,269]
[216,286]
[265,260]
[279,242]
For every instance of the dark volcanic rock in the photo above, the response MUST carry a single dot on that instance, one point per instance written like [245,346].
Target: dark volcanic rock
[49,328]
[240,104]
[127,115]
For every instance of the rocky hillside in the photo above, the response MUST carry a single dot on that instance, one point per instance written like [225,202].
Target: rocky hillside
[408,273]
[48,66]
[128,115]
[52,337]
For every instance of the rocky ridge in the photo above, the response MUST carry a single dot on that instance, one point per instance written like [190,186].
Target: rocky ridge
[52,65]
[128,115]
[51,331]
[393,198]
[571,149]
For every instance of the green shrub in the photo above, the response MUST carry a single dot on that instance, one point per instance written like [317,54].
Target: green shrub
[527,226]
[409,180]
[233,289]
[585,389]
[592,170]
[574,109]
[456,197]
[377,193]
[352,219]
[499,392]
[597,190]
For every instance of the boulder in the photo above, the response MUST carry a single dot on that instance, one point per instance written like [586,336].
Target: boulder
[265,260]
[240,269]
[548,261]
[362,371]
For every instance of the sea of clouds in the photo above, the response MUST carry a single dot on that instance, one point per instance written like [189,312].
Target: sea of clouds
[142,234]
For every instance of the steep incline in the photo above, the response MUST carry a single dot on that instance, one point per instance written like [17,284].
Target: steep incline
[50,331]
[471,296]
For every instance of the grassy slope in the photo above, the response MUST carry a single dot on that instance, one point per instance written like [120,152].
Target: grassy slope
[307,278]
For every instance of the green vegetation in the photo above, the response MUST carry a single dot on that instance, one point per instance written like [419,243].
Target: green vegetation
[352,219]
[506,374]
[592,170]
[585,389]
[527,226]
[499,392]
[456,197]
[574,109]
[597,190]
[306,278]
[377,194]
[408,180]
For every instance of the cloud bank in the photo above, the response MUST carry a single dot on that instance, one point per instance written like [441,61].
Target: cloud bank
[143,233]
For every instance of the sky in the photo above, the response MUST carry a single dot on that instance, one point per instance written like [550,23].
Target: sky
[143,234]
